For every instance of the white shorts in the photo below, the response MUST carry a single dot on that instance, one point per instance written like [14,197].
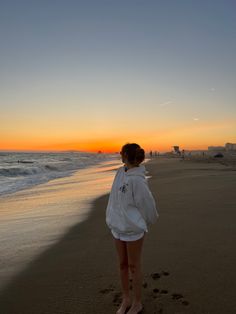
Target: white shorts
[126,237]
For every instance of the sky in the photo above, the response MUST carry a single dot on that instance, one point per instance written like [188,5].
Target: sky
[94,75]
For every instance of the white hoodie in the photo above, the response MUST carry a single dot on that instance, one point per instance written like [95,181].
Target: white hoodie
[131,206]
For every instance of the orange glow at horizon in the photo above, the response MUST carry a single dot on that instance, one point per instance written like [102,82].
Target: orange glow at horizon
[105,147]
[108,146]
[190,136]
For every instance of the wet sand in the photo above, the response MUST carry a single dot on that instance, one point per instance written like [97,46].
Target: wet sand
[188,260]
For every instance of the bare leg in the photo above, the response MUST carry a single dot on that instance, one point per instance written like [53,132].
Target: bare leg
[134,249]
[124,274]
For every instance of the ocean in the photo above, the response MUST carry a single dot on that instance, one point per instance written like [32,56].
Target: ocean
[21,170]
[43,195]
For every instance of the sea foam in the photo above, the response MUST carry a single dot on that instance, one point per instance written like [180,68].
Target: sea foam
[22,170]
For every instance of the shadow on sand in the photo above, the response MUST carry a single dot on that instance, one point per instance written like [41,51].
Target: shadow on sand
[67,277]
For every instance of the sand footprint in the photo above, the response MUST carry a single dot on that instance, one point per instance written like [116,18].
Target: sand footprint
[178,296]
[156,276]
[155,290]
[185,302]
[107,290]
[117,296]
[145,285]
[117,299]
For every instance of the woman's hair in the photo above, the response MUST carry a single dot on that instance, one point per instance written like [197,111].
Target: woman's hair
[134,153]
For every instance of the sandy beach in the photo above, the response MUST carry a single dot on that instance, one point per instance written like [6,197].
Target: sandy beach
[188,260]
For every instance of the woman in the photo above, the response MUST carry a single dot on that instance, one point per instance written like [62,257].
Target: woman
[131,208]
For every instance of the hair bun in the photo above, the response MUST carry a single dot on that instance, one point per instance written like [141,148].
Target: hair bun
[134,153]
[139,154]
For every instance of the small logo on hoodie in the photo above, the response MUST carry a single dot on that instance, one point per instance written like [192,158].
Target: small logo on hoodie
[123,188]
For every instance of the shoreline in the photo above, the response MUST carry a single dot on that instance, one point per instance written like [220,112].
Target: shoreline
[188,258]
[34,182]
[34,219]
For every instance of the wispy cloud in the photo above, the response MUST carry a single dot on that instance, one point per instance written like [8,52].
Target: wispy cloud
[196,119]
[166,103]
[212,89]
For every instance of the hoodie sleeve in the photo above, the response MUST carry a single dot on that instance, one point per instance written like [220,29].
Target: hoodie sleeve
[144,200]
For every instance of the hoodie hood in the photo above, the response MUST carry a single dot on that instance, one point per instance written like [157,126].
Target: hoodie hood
[137,171]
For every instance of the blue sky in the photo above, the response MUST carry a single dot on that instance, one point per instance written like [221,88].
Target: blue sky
[93,68]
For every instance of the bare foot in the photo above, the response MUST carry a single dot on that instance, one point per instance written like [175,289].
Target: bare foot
[135,308]
[124,306]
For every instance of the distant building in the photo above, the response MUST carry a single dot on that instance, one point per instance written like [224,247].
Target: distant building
[216,148]
[230,146]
